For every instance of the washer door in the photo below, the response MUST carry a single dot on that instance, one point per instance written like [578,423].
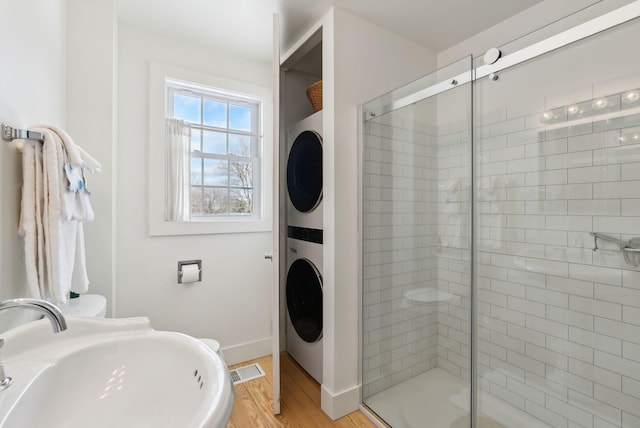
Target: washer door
[304,171]
[304,299]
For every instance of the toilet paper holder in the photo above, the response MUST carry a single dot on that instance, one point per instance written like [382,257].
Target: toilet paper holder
[183,263]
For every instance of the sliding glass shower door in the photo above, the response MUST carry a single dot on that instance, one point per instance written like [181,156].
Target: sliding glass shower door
[501,241]
[558,158]
[416,343]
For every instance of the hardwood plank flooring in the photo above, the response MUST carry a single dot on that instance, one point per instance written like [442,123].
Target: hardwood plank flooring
[299,403]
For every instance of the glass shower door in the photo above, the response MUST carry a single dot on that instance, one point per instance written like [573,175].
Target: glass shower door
[416,172]
[532,316]
[558,158]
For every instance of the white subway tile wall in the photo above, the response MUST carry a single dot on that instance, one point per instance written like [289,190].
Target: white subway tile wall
[559,325]
[564,306]
[399,252]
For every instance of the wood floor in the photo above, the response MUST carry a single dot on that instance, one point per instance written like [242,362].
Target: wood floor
[299,404]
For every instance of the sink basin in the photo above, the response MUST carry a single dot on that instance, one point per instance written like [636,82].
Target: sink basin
[111,373]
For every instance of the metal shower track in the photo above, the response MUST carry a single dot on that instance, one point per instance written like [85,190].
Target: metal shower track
[604,22]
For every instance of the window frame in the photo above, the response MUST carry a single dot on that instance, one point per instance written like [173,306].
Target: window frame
[261,220]
[174,87]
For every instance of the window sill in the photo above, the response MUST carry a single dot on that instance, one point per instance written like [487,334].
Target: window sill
[160,227]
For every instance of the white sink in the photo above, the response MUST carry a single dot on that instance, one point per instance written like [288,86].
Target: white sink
[111,373]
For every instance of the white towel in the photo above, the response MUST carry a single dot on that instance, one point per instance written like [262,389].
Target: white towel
[76,204]
[52,211]
[91,165]
[30,226]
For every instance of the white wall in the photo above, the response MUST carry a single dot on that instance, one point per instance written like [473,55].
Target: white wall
[233,302]
[91,120]
[33,91]
[80,75]
[529,26]
[49,73]
[360,61]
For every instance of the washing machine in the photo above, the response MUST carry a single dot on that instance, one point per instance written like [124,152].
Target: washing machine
[304,173]
[304,298]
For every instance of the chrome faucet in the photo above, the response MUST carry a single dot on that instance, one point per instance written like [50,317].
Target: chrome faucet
[48,309]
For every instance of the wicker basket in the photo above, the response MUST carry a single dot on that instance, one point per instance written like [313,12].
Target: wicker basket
[314,93]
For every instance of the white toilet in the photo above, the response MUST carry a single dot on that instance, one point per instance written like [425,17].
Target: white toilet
[214,345]
[87,305]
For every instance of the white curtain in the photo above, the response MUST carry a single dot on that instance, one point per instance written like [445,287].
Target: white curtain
[178,162]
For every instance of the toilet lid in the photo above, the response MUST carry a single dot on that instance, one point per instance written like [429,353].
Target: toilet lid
[88,305]
[427,295]
[211,343]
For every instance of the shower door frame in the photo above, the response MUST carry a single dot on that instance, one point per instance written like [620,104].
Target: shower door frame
[596,25]
[589,28]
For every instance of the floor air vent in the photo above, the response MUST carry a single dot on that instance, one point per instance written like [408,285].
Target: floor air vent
[243,374]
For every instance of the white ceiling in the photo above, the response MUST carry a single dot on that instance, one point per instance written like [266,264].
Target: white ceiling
[434,24]
[245,26]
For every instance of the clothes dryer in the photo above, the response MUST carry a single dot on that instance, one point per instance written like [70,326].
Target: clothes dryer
[304,295]
[304,173]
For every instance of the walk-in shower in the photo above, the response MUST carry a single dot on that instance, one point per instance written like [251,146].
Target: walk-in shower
[485,299]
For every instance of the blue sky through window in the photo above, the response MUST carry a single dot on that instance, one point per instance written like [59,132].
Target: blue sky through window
[195,139]
[214,142]
[240,118]
[216,172]
[215,114]
[196,171]
[186,108]
[240,145]
[223,129]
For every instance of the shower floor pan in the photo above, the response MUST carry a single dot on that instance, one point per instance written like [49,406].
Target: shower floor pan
[443,399]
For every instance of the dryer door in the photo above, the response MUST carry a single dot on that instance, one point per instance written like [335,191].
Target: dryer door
[304,299]
[304,171]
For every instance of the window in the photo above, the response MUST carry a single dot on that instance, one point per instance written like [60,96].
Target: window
[225,167]
[243,94]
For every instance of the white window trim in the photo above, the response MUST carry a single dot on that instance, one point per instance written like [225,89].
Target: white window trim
[158,73]
[173,87]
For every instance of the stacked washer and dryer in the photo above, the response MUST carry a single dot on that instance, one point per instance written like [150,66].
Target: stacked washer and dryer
[304,243]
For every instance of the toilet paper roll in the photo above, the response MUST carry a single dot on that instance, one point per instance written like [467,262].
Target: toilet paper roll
[190,273]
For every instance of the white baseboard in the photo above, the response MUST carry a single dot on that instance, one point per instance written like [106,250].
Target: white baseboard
[247,351]
[340,404]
